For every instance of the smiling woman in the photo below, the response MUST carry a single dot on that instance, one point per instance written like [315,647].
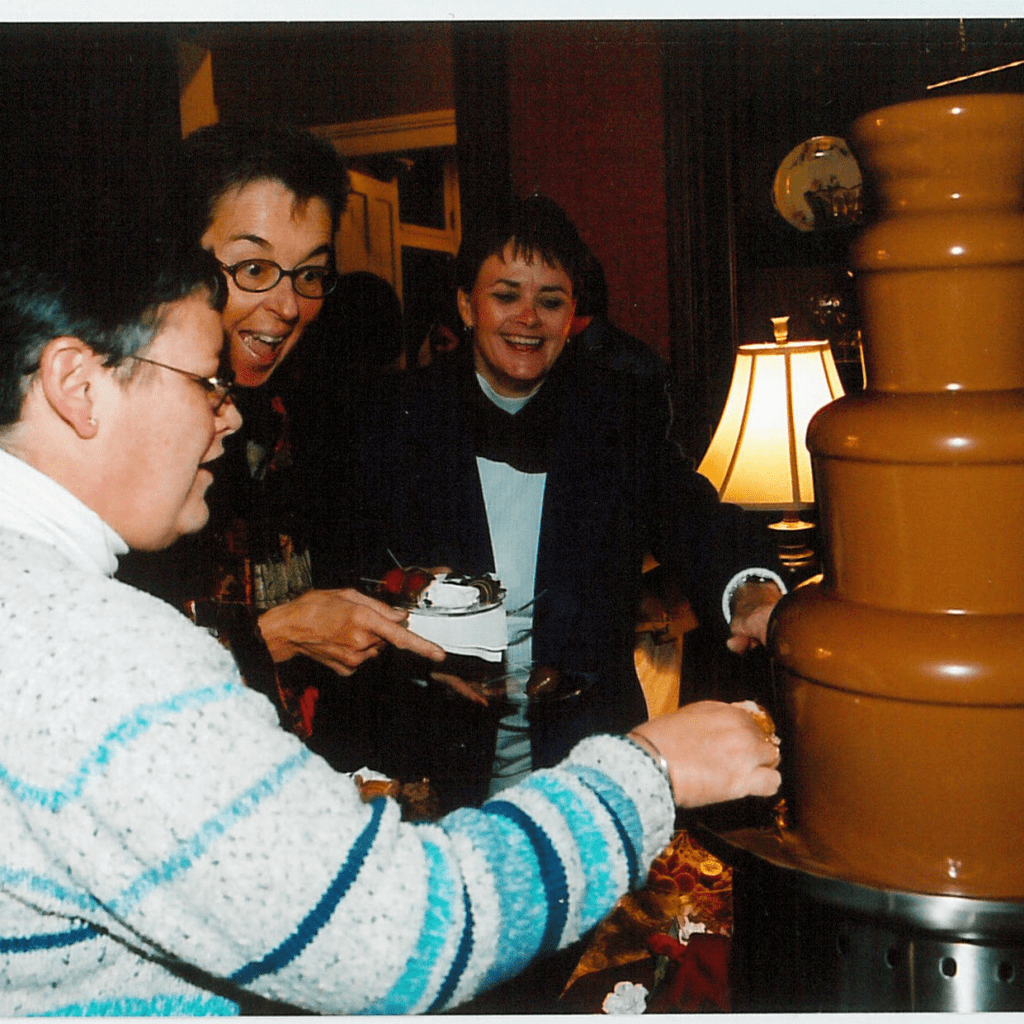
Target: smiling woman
[266,202]
[255,225]
[519,309]
[522,457]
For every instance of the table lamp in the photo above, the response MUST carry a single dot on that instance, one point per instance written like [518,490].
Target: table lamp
[758,456]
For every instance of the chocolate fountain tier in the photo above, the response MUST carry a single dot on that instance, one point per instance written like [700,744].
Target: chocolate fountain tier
[900,742]
[940,271]
[921,500]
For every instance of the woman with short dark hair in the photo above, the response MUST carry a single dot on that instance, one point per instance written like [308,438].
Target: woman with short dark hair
[165,847]
[525,457]
[266,201]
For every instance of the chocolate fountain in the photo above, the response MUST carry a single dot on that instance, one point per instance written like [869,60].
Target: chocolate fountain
[896,879]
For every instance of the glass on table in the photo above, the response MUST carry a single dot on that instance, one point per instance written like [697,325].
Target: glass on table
[531,683]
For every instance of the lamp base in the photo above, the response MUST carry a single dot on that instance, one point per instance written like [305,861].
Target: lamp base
[793,541]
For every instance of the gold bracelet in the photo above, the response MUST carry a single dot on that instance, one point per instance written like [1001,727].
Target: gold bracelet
[650,749]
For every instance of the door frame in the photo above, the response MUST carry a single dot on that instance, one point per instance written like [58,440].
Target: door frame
[430,129]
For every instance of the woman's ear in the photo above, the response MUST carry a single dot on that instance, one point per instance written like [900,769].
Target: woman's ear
[465,309]
[68,373]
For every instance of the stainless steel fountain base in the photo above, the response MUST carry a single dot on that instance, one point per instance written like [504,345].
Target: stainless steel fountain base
[804,944]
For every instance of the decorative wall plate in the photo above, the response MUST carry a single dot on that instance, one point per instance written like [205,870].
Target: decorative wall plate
[818,185]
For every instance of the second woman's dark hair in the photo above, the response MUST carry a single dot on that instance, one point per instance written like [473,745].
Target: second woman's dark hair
[535,226]
[219,157]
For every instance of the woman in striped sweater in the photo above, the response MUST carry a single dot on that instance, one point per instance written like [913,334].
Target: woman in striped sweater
[165,848]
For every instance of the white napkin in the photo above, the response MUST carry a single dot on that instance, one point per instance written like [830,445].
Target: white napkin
[478,634]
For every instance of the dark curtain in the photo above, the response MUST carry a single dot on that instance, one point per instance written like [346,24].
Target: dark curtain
[739,95]
[88,116]
[480,72]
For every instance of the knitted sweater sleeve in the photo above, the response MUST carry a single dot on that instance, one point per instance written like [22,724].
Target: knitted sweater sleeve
[152,809]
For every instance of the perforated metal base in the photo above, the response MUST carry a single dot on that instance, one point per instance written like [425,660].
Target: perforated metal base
[804,943]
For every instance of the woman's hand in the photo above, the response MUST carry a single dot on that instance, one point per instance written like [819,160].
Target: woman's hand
[752,608]
[715,752]
[339,628]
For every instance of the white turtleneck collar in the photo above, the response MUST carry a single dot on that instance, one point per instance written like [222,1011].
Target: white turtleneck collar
[509,405]
[33,504]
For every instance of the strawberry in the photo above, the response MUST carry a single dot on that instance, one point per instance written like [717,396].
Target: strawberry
[415,582]
[393,581]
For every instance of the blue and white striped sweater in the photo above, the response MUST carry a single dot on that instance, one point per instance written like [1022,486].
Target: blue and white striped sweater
[151,811]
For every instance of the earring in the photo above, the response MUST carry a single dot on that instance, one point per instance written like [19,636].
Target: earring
[92,421]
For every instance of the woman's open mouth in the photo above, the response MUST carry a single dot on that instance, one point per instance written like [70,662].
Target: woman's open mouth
[519,341]
[262,347]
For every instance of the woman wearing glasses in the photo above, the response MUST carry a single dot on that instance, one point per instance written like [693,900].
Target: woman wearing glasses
[155,824]
[266,202]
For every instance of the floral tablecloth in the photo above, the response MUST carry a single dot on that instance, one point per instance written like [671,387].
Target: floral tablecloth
[664,948]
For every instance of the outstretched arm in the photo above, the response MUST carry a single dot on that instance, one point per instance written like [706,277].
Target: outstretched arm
[339,628]
[751,606]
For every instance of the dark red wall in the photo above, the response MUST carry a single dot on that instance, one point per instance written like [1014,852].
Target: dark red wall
[323,73]
[587,128]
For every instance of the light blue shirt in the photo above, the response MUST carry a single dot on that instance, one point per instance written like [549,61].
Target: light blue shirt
[514,501]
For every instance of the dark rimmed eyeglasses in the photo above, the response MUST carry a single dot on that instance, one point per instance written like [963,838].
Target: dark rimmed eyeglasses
[218,389]
[311,282]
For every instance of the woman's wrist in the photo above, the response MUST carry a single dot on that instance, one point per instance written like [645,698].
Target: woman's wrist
[267,629]
[650,748]
[742,584]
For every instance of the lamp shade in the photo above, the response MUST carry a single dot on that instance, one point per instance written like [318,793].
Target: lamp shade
[758,457]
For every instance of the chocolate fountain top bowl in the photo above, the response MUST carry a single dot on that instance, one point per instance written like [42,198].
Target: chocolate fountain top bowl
[965,152]
[946,177]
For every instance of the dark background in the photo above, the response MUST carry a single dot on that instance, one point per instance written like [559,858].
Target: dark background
[660,138]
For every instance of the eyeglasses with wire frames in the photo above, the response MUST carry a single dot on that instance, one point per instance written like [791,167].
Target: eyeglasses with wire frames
[218,389]
[311,281]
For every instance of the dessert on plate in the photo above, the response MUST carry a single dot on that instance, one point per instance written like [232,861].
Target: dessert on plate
[463,614]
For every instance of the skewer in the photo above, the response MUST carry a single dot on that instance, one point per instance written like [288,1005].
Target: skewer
[523,607]
[975,74]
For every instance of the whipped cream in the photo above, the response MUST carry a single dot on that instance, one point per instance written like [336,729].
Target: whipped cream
[440,594]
